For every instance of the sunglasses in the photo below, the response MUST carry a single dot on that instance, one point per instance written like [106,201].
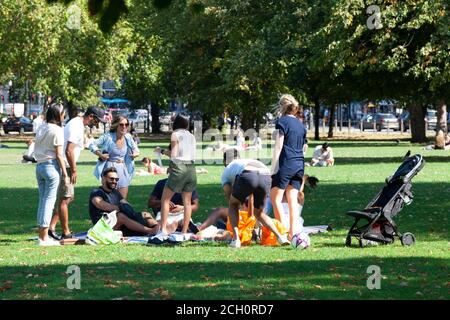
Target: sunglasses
[124,124]
[113,179]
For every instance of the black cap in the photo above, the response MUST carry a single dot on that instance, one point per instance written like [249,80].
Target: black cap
[97,112]
[325,145]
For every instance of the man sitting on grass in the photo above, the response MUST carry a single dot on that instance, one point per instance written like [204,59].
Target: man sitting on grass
[107,199]
[323,156]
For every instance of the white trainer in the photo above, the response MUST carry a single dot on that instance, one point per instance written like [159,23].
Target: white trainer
[235,244]
[283,240]
[48,243]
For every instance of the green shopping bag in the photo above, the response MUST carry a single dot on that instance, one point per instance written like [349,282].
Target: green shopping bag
[102,232]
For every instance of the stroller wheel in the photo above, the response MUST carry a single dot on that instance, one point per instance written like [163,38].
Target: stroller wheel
[361,243]
[348,241]
[408,239]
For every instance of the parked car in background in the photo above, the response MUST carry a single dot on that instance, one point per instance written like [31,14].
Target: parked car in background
[381,120]
[431,119]
[21,125]
[165,117]
[137,121]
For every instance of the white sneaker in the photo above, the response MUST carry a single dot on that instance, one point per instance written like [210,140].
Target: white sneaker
[48,243]
[235,244]
[283,240]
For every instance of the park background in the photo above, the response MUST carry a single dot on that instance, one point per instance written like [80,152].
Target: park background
[234,57]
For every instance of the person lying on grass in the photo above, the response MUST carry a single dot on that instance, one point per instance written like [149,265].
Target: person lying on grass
[241,179]
[107,199]
[159,151]
[152,168]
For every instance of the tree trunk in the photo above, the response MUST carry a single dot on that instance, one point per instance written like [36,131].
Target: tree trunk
[418,133]
[331,125]
[155,118]
[441,117]
[316,119]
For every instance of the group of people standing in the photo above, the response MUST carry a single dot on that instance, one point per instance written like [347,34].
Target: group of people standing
[57,150]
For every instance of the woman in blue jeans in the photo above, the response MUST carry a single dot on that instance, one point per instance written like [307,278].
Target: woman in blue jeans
[50,165]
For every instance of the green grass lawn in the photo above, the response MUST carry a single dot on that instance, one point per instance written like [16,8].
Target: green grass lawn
[327,270]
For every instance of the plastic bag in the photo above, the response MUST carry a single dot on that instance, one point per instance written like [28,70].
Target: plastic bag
[268,238]
[102,232]
[245,225]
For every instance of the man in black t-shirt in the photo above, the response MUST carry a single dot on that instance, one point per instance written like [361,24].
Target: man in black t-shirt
[107,199]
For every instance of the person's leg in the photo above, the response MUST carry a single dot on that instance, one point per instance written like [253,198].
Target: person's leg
[65,195]
[123,220]
[51,175]
[124,192]
[165,200]
[187,204]
[259,199]
[267,222]
[291,197]
[40,212]
[233,214]
[276,198]
[64,215]
[216,214]
[28,158]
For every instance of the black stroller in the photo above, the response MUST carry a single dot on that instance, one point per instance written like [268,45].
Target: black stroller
[387,204]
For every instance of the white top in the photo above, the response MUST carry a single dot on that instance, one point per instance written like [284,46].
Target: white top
[74,132]
[237,166]
[327,155]
[186,145]
[37,123]
[48,137]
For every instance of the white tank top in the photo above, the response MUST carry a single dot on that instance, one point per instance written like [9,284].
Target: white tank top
[186,146]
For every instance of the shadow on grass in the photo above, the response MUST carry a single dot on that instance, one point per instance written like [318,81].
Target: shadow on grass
[402,278]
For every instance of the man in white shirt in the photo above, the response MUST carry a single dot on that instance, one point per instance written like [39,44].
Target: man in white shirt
[73,144]
[322,156]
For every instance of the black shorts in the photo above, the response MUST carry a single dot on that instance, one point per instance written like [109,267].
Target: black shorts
[252,182]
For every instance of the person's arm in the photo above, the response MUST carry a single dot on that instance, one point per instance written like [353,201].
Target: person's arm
[94,147]
[279,140]
[70,156]
[134,152]
[174,146]
[62,165]
[195,205]
[153,202]
[251,205]
[30,150]
[101,204]
[227,190]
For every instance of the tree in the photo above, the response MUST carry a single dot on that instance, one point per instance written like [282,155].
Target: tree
[407,58]
[58,58]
